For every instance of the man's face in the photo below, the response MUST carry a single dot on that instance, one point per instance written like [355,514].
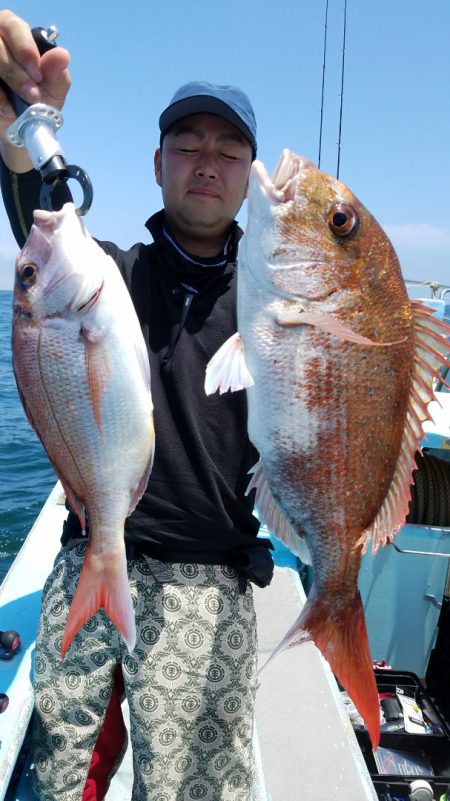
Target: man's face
[203,170]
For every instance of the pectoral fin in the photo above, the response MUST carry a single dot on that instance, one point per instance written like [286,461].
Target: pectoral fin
[98,371]
[330,325]
[227,370]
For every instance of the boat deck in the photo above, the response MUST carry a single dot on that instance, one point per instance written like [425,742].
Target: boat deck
[301,723]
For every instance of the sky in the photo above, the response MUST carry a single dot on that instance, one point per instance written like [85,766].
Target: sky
[127,60]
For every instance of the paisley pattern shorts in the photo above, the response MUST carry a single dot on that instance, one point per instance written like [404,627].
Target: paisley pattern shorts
[190,684]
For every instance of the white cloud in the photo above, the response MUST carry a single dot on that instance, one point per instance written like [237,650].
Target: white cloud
[423,250]
[7,261]
[422,235]
[8,252]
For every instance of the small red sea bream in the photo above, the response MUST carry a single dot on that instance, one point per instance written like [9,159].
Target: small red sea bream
[83,375]
[338,364]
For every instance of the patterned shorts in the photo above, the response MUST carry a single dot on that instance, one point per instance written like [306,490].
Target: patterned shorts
[190,684]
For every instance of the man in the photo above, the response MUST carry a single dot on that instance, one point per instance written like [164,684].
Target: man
[191,542]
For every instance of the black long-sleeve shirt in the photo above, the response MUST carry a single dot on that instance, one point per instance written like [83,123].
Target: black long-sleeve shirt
[195,504]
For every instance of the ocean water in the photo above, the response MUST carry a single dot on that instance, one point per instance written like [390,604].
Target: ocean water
[26,476]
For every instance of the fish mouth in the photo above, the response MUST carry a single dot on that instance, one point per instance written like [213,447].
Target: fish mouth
[280,188]
[49,221]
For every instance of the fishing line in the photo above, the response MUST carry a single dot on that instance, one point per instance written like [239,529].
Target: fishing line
[323,81]
[342,90]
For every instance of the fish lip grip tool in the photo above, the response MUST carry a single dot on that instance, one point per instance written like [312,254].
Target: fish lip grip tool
[35,130]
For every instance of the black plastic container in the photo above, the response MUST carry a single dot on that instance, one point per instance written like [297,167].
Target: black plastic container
[432,748]
[438,671]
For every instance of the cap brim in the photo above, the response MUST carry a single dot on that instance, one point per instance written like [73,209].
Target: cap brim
[203,104]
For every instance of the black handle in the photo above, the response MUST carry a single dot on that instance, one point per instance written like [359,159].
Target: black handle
[10,640]
[41,37]
[55,172]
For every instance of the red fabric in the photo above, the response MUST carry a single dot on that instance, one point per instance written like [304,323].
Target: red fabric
[109,744]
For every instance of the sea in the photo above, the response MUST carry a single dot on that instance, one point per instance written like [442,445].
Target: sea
[26,476]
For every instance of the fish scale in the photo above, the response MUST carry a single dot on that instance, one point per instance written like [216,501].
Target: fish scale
[82,371]
[338,367]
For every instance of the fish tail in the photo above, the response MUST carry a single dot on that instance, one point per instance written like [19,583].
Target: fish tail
[103,584]
[342,639]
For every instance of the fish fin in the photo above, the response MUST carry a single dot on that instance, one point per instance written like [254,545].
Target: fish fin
[431,345]
[103,583]
[141,486]
[144,366]
[76,504]
[26,408]
[98,371]
[273,518]
[330,325]
[143,362]
[227,369]
[342,639]
[37,248]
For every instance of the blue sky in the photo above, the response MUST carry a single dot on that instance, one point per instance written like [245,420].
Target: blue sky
[129,58]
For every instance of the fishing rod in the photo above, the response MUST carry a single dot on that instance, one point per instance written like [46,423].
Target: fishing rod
[323,81]
[323,86]
[342,89]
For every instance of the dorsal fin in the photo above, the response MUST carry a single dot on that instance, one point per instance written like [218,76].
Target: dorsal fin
[431,347]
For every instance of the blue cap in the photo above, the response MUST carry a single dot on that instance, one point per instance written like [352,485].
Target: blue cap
[199,97]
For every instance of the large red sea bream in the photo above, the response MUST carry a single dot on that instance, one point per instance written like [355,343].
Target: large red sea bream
[338,365]
[83,375]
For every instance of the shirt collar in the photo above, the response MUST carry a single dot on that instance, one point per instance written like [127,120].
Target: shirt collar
[157,225]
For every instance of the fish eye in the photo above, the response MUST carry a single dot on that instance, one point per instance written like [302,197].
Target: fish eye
[343,219]
[28,273]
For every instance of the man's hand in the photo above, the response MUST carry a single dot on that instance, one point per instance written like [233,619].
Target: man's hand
[35,78]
